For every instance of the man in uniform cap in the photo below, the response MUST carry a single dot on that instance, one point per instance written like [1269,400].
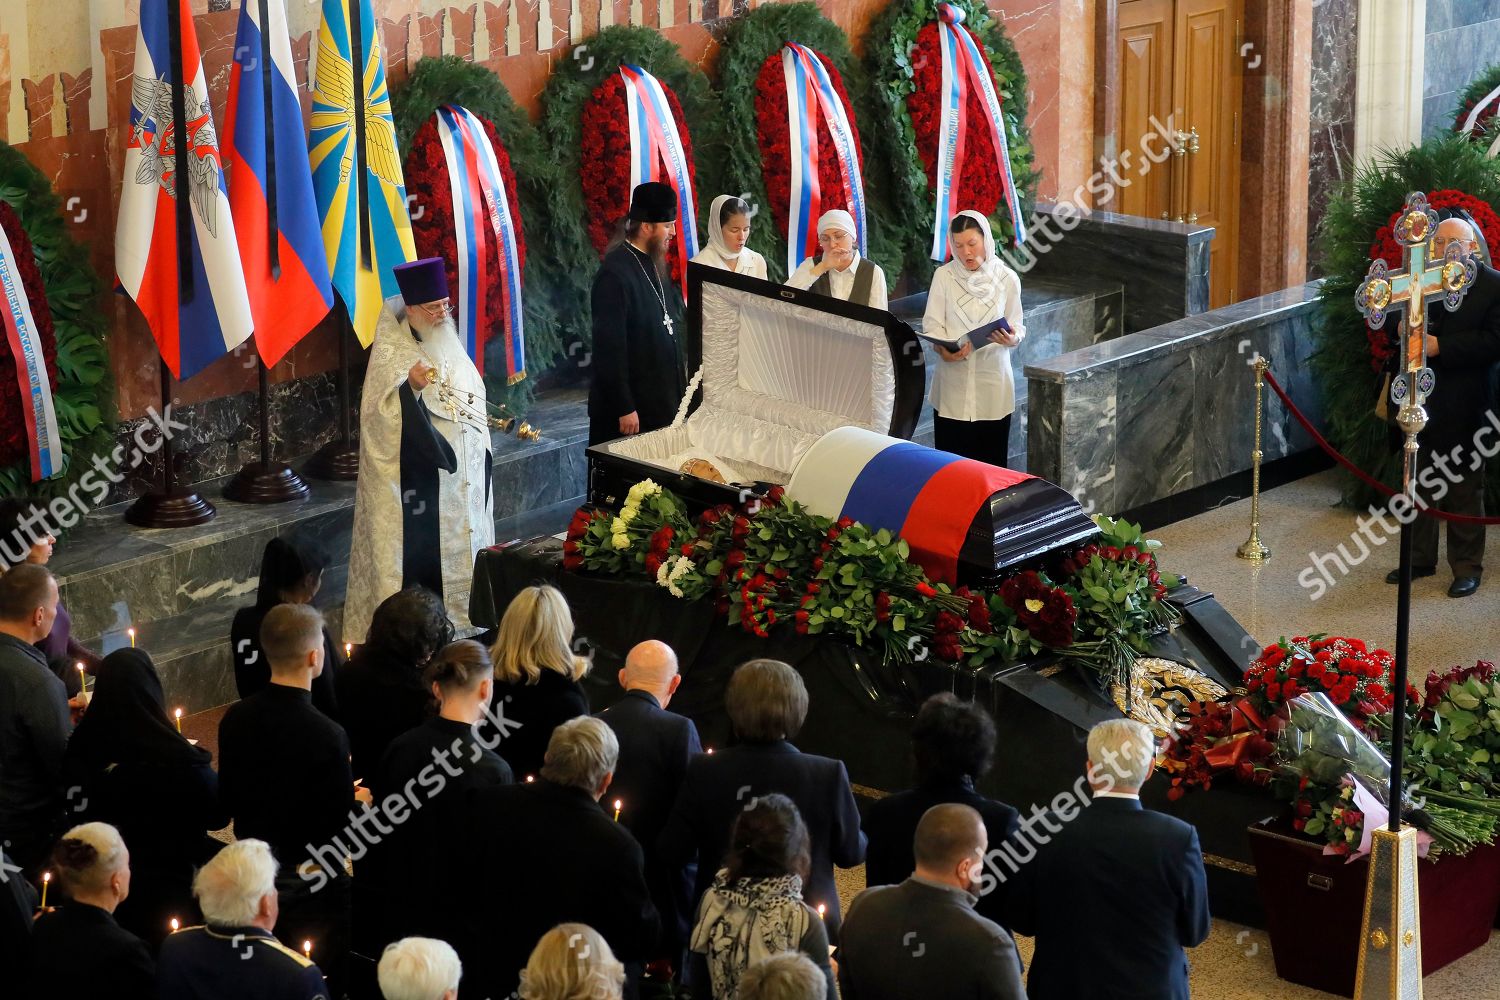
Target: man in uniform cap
[423,506]
[639,372]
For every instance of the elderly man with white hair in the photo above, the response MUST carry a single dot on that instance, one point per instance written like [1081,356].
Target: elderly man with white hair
[418,968]
[548,852]
[1124,878]
[838,270]
[235,955]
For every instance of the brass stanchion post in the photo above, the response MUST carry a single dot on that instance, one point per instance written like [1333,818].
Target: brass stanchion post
[1254,549]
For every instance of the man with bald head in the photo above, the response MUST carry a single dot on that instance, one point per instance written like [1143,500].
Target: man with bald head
[922,938]
[655,746]
[1463,348]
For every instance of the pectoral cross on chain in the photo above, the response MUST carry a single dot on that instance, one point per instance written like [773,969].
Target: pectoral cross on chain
[1423,279]
[666,322]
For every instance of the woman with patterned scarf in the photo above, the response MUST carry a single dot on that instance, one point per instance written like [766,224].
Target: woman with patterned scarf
[755,909]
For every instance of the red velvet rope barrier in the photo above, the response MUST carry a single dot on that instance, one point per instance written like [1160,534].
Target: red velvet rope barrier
[1359,473]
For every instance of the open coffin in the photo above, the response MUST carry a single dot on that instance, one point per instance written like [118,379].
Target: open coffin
[783,373]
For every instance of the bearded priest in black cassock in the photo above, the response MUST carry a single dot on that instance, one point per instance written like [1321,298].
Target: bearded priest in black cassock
[639,374]
[423,507]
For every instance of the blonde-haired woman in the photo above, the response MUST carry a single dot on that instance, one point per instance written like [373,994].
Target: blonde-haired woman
[536,676]
[572,962]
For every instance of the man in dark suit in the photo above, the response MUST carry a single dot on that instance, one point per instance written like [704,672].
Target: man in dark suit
[639,371]
[547,854]
[953,743]
[767,704]
[655,746]
[1125,878]
[922,938]
[1463,348]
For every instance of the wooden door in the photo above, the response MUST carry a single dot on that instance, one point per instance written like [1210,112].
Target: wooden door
[1180,62]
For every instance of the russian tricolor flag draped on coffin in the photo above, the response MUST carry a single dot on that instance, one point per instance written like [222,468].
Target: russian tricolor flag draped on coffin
[926,496]
[276,218]
[193,325]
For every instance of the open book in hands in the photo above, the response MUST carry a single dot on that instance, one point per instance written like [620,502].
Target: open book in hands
[979,336]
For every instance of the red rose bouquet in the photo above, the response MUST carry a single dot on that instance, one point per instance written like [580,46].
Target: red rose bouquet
[980,186]
[1356,678]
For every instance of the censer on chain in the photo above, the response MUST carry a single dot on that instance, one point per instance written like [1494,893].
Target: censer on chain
[481,412]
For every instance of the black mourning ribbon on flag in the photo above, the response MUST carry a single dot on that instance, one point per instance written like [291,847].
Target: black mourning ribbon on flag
[180,181]
[273,229]
[357,73]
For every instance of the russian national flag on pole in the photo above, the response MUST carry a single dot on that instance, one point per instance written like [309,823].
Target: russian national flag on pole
[197,320]
[270,185]
[356,166]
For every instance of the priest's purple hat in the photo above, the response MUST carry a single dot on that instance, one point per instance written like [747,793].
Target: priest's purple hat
[422,281]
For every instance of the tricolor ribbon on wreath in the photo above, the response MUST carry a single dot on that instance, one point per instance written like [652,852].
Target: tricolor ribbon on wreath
[964,66]
[809,96]
[42,438]
[1489,102]
[654,142]
[480,202]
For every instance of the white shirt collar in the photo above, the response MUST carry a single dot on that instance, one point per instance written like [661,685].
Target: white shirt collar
[1117,795]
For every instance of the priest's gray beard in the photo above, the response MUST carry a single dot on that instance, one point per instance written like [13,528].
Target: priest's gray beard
[439,340]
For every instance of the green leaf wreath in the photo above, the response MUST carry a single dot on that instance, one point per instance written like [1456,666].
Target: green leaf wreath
[566,242]
[451,80]
[1348,383]
[1476,91]
[747,43]
[888,50]
[84,393]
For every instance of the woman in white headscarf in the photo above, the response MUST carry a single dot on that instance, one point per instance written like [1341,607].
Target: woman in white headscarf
[973,390]
[838,270]
[728,234]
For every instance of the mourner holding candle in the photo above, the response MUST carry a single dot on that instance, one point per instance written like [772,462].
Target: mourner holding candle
[973,390]
[423,506]
[838,270]
[728,233]
[638,362]
[27,537]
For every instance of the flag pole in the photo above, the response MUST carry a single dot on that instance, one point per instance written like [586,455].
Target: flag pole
[267,481]
[174,506]
[339,458]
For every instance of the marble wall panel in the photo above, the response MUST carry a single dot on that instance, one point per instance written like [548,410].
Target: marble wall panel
[121,596]
[1154,455]
[1044,429]
[1224,406]
[1109,317]
[1090,440]
[226,570]
[1462,39]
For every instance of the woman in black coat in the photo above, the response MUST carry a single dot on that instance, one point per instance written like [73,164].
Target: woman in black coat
[536,676]
[132,769]
[291,572]
[380,690]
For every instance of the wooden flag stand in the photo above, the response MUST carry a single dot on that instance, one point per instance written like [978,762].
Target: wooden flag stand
[266,481]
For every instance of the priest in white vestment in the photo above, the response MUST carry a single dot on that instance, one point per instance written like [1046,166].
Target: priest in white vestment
[423,507]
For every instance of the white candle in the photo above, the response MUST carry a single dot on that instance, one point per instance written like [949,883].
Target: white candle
[83,687]
[46,881]
[178,714]
[131,632]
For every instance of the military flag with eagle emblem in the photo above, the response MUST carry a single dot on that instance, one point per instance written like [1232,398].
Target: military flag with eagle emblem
[356,165]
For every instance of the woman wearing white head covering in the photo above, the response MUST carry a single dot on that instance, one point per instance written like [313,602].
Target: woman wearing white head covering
[973,391]
[728,232]
[839,271]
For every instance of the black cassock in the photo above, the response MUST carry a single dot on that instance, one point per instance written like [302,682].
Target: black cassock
[638,364]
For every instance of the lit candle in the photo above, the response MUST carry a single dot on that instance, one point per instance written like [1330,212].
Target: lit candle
[822,912]
[46,881]
[307,950]
[174,925]
[83,687]
[530,778]
[710,749]
[618,803]
[131,632]
[178,714]
[348,650]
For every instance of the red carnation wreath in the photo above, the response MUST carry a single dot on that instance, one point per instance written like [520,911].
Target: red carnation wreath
[606,161]
[433,228]
[1386,248]
[775,141]
[980,186]
[14,446]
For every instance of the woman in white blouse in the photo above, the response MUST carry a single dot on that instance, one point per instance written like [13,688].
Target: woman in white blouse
[838,270]
[728,231]
[973,391]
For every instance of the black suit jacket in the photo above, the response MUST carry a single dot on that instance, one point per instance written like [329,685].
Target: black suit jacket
[78,951]
[1127,878]
[379,698]
[921,939]
[547,854]
[719,785]
[1468,350]
[252,670]
[655,746]
[637,365]
[891,824]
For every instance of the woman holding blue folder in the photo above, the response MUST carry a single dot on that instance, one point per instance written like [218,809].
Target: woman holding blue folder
[973,389]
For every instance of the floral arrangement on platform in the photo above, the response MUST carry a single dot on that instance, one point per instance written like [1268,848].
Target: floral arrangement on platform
[1348,361]
[441,80]
[584,124]
[66,299]
[1313,721]
[770,563]
[1481,87]
[905,67]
